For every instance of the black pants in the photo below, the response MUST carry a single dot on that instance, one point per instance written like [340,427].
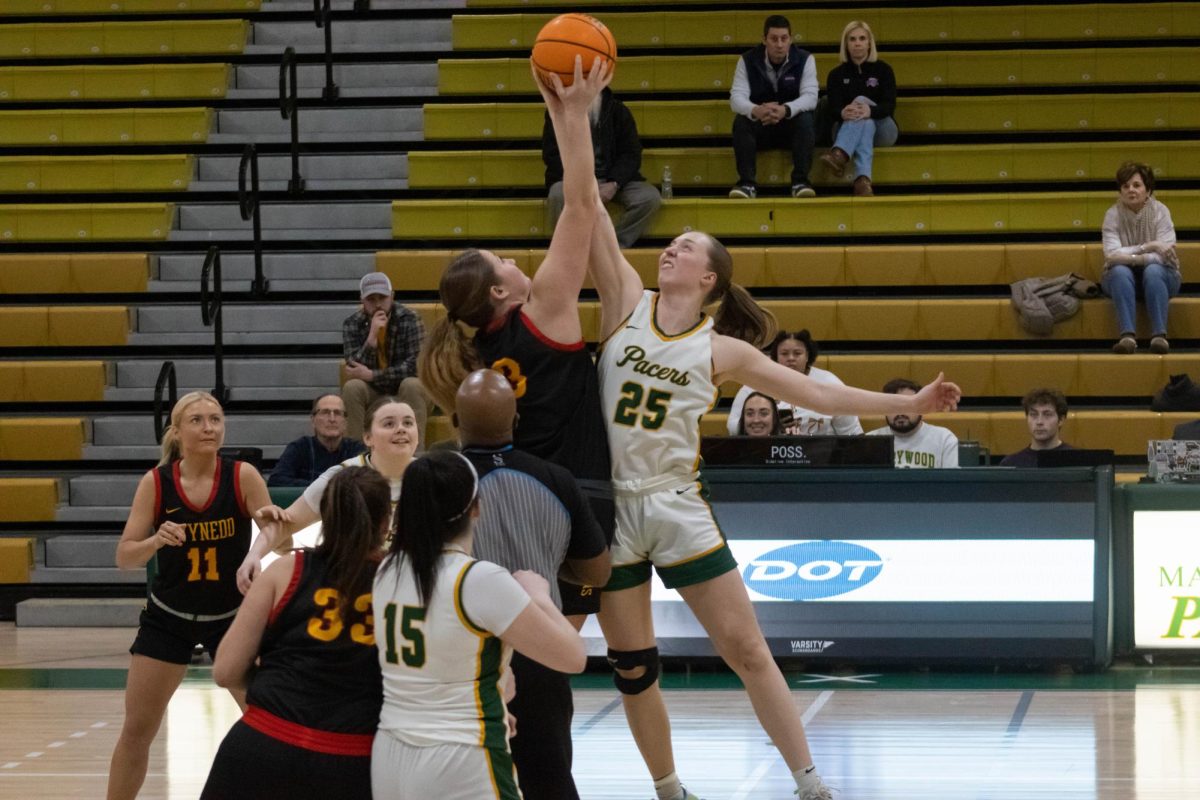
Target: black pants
[750,136]
[541,749]
[253,766]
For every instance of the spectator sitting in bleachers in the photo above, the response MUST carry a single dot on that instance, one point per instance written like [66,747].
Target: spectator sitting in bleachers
[307,457]
[380,343]
[773,95]
[618,161]
[1139,248]
[798,351]
[861,92]
[759,417]
[1045,412]
[918,444]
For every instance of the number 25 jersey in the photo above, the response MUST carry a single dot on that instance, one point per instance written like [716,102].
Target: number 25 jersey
[655,388]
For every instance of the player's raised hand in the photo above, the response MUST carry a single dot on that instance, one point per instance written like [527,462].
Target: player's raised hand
[579,95]
[938,395]
[272,513]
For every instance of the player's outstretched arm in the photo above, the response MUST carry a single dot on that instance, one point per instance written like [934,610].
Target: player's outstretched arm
[541,632]
[617,282]
[734,359]
[554,295]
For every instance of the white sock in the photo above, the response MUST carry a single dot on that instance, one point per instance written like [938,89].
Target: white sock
[669,788]
[807,778]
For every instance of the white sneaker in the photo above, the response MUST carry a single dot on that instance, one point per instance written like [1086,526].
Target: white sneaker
[820,792]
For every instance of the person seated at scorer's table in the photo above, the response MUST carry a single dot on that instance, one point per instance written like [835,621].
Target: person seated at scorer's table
[307,457]
[759,417]
[799,351]
[1045,412]
[918,444]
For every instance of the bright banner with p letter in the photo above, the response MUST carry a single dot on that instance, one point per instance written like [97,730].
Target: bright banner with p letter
[1166,580]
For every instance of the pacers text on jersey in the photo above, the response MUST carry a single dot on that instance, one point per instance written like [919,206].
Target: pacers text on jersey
[633,353]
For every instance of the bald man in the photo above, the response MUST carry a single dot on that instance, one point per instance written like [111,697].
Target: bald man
[532,516]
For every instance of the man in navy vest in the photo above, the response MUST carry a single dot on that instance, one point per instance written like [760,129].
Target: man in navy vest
[773,96]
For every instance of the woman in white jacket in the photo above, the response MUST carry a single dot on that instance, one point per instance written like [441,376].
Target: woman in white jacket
[798,351]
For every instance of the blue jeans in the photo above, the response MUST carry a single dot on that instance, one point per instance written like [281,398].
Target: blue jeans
[859,138]
[1159,283]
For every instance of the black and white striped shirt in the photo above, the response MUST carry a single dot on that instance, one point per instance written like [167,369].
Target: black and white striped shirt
[532,514]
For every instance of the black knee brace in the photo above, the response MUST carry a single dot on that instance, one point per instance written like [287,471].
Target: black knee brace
[630,660]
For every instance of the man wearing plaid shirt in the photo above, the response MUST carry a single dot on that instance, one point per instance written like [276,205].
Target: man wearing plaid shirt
[380,342]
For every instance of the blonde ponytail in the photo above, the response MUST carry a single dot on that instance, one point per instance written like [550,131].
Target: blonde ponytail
[171,450]
[447,357]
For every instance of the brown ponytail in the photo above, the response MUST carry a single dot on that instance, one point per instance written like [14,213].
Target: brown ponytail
[448,354]
[738,315]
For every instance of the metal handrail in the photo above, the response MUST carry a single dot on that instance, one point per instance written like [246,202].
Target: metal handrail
[289,108]
[324,15]
[166,375]
[248,206]
[210,315]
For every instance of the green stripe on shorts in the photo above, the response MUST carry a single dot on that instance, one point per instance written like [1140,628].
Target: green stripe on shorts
[503,774]
[628,576]
[698,570]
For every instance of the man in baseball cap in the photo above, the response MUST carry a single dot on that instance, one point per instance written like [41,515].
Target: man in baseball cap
[380,342]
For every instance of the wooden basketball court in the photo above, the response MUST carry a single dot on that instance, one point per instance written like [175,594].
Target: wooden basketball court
[1127,733]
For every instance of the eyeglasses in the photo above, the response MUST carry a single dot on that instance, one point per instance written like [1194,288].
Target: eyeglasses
[329,412]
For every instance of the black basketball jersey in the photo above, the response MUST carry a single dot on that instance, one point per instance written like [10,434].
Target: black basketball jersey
[200,577]
[558,396]
[318,680]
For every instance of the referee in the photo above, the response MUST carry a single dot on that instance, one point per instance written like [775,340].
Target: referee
[532,516]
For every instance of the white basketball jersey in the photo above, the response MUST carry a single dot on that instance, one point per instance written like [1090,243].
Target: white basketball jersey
[655,388]
[442,668]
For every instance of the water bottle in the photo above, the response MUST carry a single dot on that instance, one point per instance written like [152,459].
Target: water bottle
[667,191]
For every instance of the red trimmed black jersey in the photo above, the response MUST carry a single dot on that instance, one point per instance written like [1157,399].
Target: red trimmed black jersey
[318,672]
[200,577]
[558,396]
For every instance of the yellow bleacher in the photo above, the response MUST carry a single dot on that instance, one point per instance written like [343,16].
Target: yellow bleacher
[929,164]
[114,82]
[69,222]
[51,381]
[34,439]
[63,326]
[28,499]
[914,215]
[1011,23]
[838,266]
[92,39]
[91,7]
[933,115]
[928,69]
[104,126]
[95,173]
[72,273]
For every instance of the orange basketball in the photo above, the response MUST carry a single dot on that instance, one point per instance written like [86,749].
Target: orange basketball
[570,35]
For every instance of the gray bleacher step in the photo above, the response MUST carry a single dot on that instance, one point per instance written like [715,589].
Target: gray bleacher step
[73,612]
[295,338]
[379,236]
[102,490]
[364,79]
[246,317]
[245,373]
[322,124]
[298,266]
[258,430]
[146,452]
[286,216]
[320,172]
[92,552]
[353,36]
[92,514]
[277,285]
[236,393]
